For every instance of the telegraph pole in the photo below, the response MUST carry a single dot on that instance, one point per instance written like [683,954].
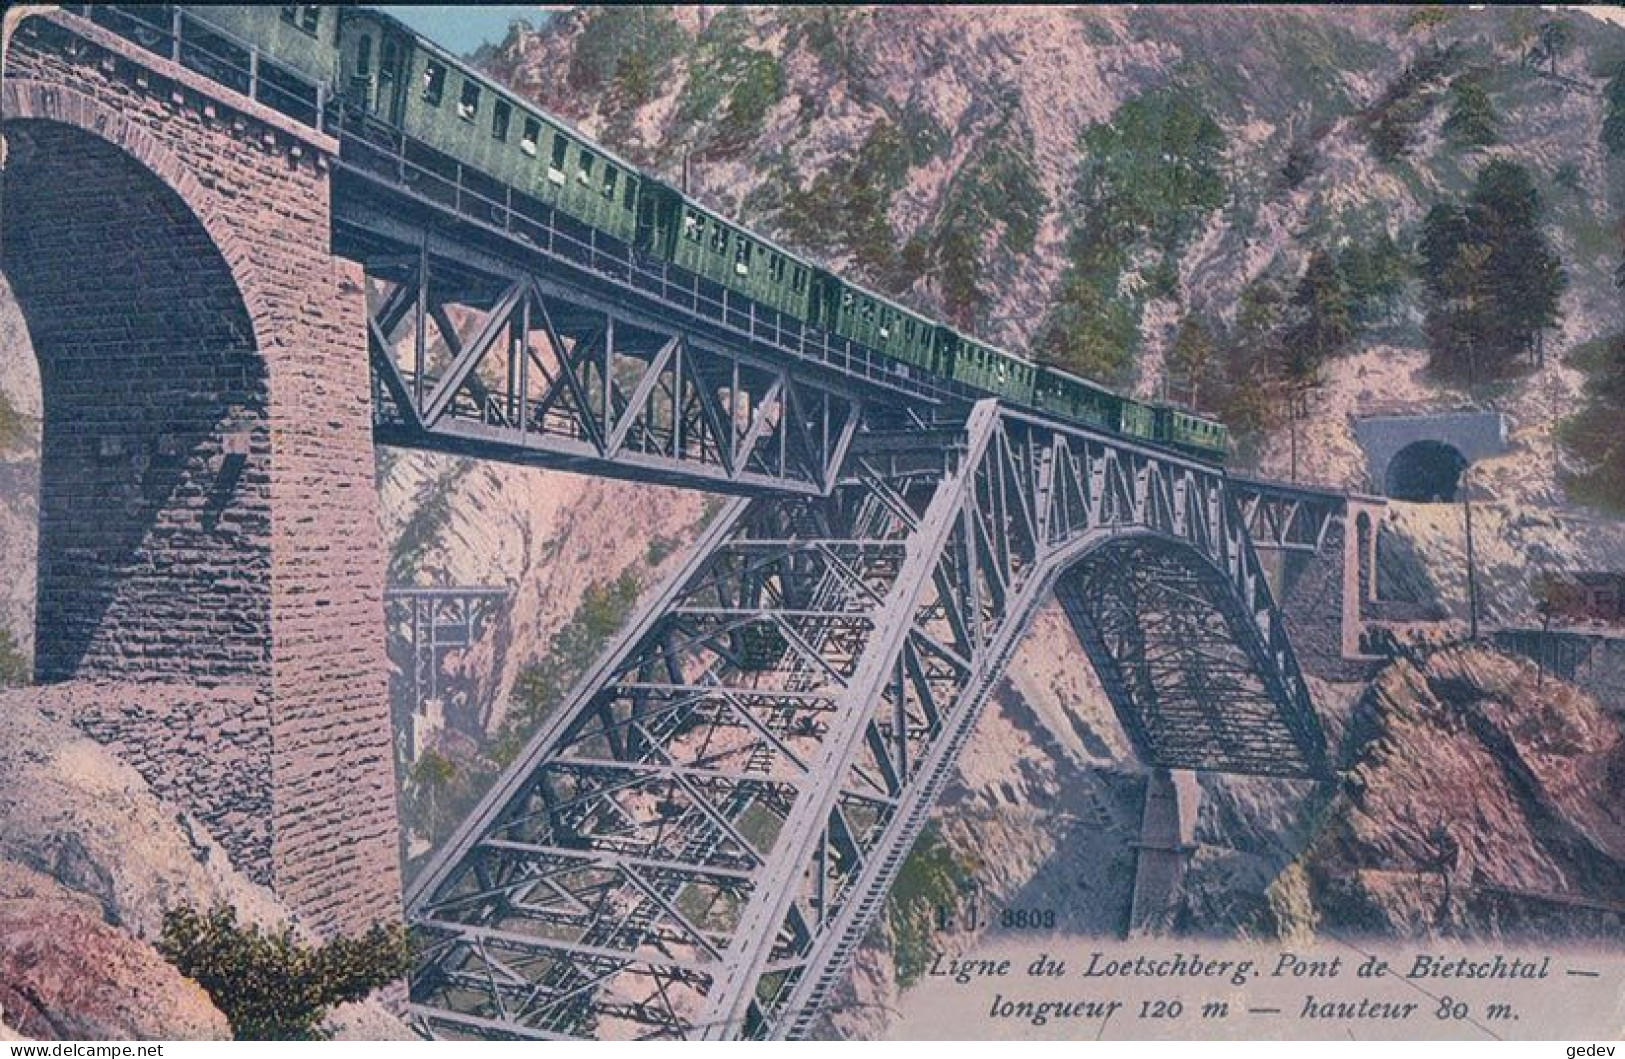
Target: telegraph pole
[1472,573]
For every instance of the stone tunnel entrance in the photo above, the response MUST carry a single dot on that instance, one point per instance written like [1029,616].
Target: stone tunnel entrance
[1427,472]
[1421,458]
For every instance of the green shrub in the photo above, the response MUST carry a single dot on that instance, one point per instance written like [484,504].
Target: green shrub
[730,86]
[628,47]
[931,881]
[13,424]
[541,686]
[13,665]
[271,986]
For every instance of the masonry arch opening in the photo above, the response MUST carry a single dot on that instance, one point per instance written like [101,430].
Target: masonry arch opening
[151,400]
[1427,472]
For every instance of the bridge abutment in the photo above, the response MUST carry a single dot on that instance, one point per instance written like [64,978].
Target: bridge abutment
[208,506]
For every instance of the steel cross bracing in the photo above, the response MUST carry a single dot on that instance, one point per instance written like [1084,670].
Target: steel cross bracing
[1286,517]
[696,842]
[515,367]
[501,327]
[432,621]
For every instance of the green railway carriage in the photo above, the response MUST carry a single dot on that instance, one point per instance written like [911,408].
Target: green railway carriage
[1074,398]
[680,231]
[873,321]
[1138,420]
[1193,432]
[373,64]
[984,367]
[301,36]
[408,83]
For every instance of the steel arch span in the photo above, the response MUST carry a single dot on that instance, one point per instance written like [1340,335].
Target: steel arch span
[697,841]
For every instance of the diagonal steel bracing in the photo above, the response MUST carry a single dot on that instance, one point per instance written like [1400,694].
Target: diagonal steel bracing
[1286,517]
[696,842]
[513,366]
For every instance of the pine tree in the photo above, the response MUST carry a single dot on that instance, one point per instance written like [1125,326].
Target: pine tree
[1556,37]
[1377,274]
[1248,394]
[1191,355]
[1613,122]
[1323,320]
[1472,121]
[1493,282]
[1321,324]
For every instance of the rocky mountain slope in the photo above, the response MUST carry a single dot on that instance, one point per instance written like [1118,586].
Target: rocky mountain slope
[1481,801]
[90,859]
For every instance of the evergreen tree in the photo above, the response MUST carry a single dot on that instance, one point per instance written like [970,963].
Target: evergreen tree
[1191,355]
[1321,324]
[1249,394]
[1493,282]
[1525,277]
[1377,274]
[1556,38]
[1322,320]
[1613,122]
[1472,120]
[1156,168]
[1299,165]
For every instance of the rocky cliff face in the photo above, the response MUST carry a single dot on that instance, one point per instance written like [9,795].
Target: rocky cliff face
[1482,800]
[66,974]
[90,859]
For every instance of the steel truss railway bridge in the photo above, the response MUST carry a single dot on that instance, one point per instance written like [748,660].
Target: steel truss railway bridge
[696,841]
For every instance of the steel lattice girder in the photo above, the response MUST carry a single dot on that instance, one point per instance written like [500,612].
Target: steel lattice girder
[435,620]
[696,842]
[519,368]
[1283,517]
[1168,639]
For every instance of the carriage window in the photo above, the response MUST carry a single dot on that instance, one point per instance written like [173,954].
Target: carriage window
[846,299]
[885,324]
[584,173]
[388,56]
[798,280]
[532,136]
[611,175]
[694,227]
[555,172]
[719,239]
[742,257]
[468,104]
[308,17]
[363,57]
[775,267]
[908,330]
[501,117]
[434,83]
[626,196]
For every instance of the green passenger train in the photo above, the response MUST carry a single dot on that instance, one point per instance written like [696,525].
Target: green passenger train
[369,62]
